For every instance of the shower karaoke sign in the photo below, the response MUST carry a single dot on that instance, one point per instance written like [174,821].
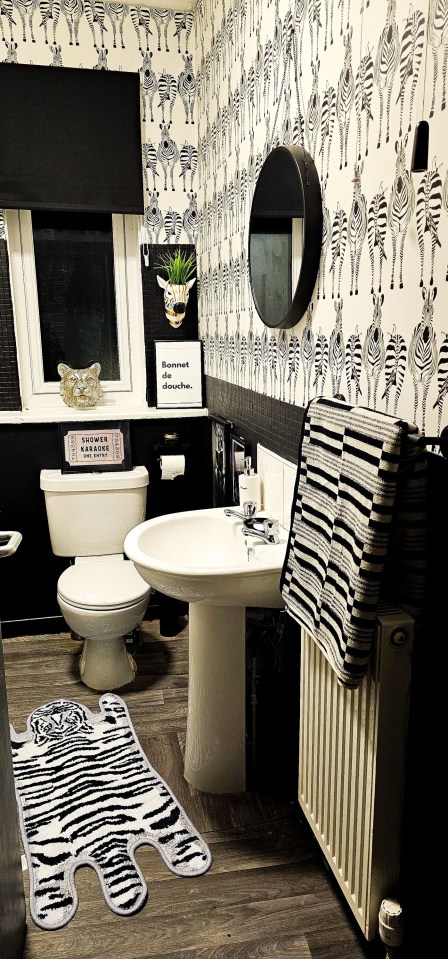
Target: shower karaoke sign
[178,373]
[94,447]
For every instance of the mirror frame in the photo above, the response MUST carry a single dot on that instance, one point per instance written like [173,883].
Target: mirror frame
[308,179]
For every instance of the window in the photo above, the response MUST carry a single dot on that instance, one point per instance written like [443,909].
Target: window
[76,286]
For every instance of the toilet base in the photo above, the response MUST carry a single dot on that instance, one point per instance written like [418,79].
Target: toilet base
[105,664]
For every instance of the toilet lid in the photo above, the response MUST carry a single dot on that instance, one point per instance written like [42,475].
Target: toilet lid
[102,585]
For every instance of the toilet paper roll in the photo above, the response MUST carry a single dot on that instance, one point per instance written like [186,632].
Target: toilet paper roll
[172,466]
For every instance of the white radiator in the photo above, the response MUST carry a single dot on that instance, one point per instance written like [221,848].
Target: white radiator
[352,764]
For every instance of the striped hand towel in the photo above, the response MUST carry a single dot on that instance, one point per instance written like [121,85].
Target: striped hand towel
[357,529]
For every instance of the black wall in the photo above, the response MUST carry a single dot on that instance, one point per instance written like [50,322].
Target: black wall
[28,579]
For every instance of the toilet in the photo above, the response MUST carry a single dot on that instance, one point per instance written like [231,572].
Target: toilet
[101,595]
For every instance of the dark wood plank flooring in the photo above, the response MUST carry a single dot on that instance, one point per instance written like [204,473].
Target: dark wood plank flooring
[267,893]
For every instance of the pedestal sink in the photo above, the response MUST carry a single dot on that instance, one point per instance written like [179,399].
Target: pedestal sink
[203,558]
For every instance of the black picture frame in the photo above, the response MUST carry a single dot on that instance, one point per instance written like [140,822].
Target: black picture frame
[113,442]
[220,457]
[239,450]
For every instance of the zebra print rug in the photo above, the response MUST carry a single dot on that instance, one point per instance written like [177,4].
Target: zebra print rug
[87,795]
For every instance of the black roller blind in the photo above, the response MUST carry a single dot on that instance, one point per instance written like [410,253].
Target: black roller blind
[70,139]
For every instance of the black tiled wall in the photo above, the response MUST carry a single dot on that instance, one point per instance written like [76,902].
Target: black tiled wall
[260,419]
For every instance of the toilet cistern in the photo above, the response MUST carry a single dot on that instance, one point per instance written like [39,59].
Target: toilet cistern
[101,595]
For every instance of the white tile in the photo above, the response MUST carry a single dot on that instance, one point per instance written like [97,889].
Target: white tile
[289,479]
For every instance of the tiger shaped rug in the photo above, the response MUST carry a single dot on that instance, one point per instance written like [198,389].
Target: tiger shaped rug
[88,796]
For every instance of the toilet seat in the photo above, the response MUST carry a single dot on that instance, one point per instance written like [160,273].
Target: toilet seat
[103,585]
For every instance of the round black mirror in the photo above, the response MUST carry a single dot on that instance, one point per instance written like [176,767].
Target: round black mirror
[285,236]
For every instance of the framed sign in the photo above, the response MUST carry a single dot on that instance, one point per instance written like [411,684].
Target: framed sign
[94,447]
[178,373]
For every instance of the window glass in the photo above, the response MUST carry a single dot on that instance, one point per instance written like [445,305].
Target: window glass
[74,258]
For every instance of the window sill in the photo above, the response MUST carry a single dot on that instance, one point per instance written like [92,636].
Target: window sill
[98,413]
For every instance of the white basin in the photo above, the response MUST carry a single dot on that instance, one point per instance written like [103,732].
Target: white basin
[203,558]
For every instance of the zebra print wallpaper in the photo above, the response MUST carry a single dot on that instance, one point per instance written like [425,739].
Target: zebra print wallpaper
[349,80]
[156,42]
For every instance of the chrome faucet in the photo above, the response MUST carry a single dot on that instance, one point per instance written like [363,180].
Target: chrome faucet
[263,528]
[260,527]
[249,510]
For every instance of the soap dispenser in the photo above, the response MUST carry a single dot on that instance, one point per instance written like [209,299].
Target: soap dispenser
[249,485]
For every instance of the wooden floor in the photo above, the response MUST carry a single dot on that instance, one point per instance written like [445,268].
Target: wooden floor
[266,894]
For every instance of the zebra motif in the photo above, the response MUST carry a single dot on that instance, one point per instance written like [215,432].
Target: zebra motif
[267,72]
[172,224]
[373,351]
[336,349]
[394,368]
[49,10]
[140,18]
[95,12]
[313,111]
[357,228]
[282,353]
[72,12]
[401,206]
[167,87]
[344,97]
[272,362]
[423,352]
[101,63]
[411,50]
[386,63]
[186,86]
[26,8]
[188,157]
[428,210]
[438,40]
[445,205]
[329,11]
[149,154]
[11,51]
[293,365]
[338,245]
[55,49]
[314,26]
[257,361]
[6,10]
[153,217]
[117,13]
[190,218]
[148,85]
[161,18]
[353,365]
[265,359]
[376,234]
[327,119]
[83,752]
[167,154]
[363,99]
[442,380]
[307,353]
[320,362]
[326,239]
[183,21]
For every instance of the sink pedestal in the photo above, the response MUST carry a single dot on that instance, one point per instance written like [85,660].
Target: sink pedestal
[215,750]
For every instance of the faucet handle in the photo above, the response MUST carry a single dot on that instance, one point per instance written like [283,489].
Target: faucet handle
[271,528]
[249,509]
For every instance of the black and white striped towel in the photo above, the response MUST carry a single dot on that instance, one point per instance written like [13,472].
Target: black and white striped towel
[358,528]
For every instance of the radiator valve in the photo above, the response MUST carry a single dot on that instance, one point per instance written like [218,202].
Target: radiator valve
[391,925]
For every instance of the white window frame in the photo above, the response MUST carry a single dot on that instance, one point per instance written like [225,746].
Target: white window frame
[40,396]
